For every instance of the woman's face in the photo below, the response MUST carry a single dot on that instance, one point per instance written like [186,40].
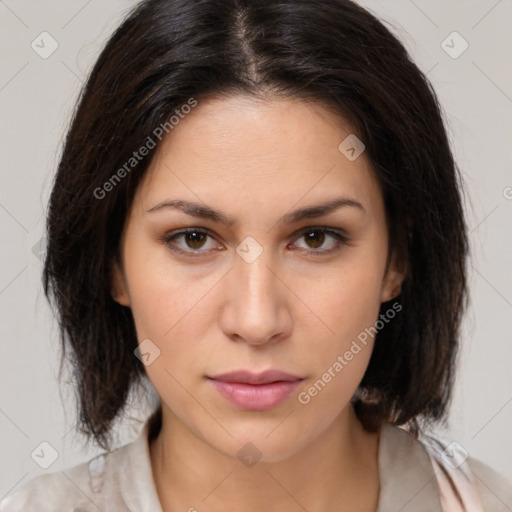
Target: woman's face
[257,285]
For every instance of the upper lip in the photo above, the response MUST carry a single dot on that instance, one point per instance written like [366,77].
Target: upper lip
[247,377]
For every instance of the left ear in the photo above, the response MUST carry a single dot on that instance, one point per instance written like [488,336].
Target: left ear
[393,279]
[119,290]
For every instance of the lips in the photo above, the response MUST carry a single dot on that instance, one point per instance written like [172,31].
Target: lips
[256,392]
[246,377]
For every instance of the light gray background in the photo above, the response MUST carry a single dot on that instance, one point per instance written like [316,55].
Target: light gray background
[37,97]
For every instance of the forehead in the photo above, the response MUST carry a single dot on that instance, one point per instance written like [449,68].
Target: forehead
[257,152]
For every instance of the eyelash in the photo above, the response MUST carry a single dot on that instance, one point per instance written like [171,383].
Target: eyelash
[340,237]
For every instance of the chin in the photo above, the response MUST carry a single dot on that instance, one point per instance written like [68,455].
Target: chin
[264,445]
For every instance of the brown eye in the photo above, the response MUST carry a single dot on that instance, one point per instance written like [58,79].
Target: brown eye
[194,242]
[315,238]
[195,239]
[191,241]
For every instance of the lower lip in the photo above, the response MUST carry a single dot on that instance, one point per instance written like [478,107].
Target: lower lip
[255,397]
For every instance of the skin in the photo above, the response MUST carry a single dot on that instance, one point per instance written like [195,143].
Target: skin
[288,309]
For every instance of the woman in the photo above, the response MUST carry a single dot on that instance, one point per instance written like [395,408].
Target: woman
[258,210]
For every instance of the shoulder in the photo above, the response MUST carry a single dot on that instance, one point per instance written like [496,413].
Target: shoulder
[464,481]
[119,480]
[496,491]
[431,473]
[80,488]
[48,491]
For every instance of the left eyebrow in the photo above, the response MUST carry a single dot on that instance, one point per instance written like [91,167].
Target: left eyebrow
[205,212]
[319,210]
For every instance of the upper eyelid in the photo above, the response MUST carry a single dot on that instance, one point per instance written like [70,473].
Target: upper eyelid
[295,233]
[293,236]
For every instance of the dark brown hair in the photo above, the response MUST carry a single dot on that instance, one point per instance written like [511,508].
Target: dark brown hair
[166,52]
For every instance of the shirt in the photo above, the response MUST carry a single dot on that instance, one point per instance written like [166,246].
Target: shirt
[416,475]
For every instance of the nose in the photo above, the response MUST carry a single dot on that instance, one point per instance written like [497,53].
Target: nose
[256,307]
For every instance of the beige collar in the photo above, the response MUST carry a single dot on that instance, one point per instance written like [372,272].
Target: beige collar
[407,479]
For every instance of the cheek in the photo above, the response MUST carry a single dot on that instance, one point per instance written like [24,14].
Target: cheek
[170,307]
[338,350]
[345,301]
[162,293]
[338,358]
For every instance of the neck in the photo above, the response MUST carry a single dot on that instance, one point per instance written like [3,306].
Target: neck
[339,467]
